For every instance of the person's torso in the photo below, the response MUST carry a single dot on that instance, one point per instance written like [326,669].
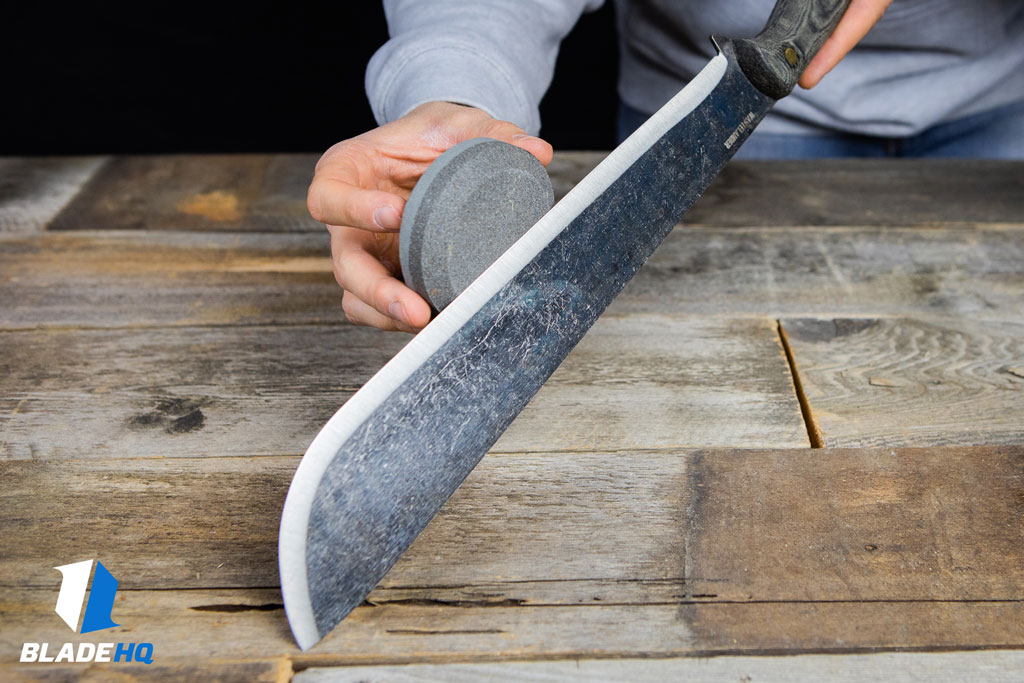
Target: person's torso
[925,62]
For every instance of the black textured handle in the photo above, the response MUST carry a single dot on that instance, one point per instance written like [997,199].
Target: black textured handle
[796,30]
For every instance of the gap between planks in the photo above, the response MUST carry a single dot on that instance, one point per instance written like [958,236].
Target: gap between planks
[814,434]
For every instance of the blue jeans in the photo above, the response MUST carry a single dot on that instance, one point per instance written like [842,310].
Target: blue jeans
[996,134]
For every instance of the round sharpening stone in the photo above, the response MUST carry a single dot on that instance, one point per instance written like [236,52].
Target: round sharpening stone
[467,209]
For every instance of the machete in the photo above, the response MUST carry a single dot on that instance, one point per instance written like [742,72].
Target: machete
[386,462]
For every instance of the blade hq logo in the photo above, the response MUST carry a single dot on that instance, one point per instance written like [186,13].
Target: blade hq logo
[72,595]
[70,599]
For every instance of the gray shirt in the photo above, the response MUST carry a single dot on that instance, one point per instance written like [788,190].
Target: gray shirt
[925,62]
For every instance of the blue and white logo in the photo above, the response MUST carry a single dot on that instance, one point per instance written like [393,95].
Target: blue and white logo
[72,596]
[70,600]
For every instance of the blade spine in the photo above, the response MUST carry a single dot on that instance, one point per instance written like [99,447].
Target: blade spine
[326,444]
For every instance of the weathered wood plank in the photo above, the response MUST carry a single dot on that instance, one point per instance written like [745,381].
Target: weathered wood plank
[181,671]
[268,390]
[185,626]
[267,192]
[594,552]
[155,523]
[841,192]
[883,192]
[836,272]
[861,524]
[907,382]
[261,192]
[561,529]
[999,666]
[136,278]
[806,551]
[33,190]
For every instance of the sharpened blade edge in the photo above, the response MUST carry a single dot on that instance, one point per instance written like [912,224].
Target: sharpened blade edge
[331,439]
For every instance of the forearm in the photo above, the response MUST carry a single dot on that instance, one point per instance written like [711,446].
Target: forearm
[497,55]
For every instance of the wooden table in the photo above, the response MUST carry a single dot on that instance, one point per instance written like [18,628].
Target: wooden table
[800,430]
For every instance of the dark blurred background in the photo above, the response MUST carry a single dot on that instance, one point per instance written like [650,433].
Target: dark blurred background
[281,77]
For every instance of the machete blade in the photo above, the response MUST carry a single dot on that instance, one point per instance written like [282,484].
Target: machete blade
[384,465]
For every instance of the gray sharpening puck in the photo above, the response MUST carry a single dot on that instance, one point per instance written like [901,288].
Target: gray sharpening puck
[467,209]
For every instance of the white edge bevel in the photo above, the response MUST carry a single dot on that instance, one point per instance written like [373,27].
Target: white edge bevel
[299,502]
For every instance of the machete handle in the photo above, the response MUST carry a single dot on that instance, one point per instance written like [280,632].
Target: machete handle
[775,58]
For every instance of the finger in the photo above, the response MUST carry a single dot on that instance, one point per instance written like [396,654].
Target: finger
[360,272]
[536,146]
[514,135]
[856,22]
[360,313]
[483,126]
[336,202]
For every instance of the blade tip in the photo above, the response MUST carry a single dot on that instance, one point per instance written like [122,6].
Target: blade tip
[304,630]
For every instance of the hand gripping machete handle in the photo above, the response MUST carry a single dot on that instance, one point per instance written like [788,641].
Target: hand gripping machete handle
[775,58]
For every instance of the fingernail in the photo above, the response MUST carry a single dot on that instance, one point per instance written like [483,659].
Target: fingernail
[523,136]
[387,218]
[397,311]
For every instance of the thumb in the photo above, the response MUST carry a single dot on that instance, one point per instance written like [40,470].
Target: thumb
[514,135]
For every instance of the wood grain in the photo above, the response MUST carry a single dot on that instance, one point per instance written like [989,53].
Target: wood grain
[843,192]
[33,190]
[880,192]
[219,625]
[909,524]
[897,667]
[909,382]
[267,192]
[179,671]
[657,527]
[135,278]
[180,310]
[259,192]
[834,272]
[68,394]
[551,556]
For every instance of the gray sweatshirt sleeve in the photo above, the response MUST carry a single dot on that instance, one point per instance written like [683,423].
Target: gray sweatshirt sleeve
[497,55]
